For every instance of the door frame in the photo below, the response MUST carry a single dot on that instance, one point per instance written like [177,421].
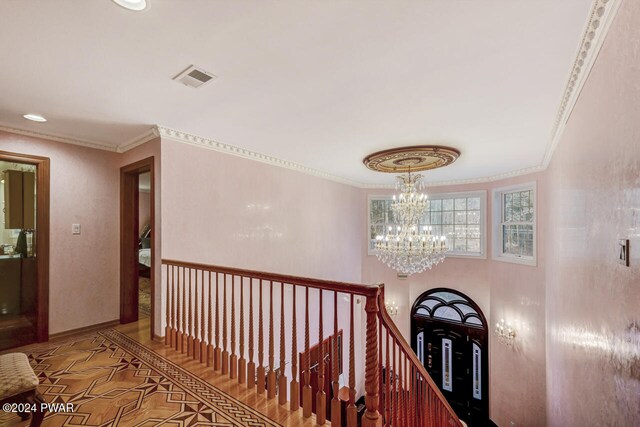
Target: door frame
[458,328]
[129,239]
[43,173]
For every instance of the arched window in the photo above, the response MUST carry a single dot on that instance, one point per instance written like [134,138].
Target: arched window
[448,306]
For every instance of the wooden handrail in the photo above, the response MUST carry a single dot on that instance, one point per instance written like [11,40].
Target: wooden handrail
[414,362]
[329,285]
[398,391]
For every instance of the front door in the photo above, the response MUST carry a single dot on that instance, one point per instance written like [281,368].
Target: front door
[450,338]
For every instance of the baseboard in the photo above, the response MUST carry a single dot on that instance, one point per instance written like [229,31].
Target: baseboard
[83,330]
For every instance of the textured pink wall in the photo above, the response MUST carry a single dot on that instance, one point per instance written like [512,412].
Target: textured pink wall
[222,209]
[593,303]
[502,290]
[84,272]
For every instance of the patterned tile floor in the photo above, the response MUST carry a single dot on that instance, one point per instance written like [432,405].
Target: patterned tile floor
[113,380]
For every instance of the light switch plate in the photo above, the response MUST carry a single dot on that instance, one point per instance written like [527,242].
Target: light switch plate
[75,228]
[623,257]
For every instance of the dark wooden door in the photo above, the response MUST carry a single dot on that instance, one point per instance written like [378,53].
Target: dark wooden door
[449,336]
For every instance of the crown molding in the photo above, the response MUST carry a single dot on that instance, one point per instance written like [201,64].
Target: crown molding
[601,16]
[57,138]
[146,136]
[212,144]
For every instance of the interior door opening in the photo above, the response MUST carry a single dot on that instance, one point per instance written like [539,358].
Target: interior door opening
[449,336]
[24,249]
[137,219]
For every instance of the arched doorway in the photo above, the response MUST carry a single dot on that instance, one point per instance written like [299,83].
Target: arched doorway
[449,335]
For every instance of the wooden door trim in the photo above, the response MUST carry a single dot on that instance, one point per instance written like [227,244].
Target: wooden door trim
[43,172]
[129,232]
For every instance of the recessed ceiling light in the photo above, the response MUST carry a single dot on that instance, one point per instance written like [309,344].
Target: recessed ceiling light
[34,118]
[135,5]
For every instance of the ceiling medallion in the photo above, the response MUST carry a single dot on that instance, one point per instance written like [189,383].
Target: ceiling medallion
[415,159]
[408,243]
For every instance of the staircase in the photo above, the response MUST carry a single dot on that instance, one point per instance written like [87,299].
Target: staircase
[227,318]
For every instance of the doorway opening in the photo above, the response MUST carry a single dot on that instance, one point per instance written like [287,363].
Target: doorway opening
[137,221]
[450,337]
[24,249]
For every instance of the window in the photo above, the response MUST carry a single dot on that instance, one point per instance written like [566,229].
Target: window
[458,216]
[515,224]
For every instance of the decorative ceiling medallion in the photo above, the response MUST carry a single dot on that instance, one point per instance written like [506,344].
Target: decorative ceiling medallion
[414,159]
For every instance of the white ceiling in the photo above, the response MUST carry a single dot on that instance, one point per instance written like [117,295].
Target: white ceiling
[318,83]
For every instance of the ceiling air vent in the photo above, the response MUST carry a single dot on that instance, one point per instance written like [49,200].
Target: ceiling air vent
[194,77]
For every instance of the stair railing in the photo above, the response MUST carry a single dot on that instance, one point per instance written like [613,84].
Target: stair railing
[202,299]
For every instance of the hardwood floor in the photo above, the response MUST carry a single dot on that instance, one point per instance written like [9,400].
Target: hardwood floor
[115,381]
[139,331]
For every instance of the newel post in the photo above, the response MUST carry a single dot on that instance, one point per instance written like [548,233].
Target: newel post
[371,416]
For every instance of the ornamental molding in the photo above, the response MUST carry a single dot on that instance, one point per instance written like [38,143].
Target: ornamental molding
[212,144]
[67,140]
[600,19]
[139,140]
[601,16]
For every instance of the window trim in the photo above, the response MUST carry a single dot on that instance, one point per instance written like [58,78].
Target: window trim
[497,214]
[448,195]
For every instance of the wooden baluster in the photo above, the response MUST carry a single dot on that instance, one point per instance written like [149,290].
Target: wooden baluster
[394,408]
[261,380]
[306,391]
[174,303]
[189,319]
[225,352]
[294,388]
[242,363]
[401,417]
[179,324]
[217,355]
[387,382]
[271,376]
[352,412]
[185,319]
[321,396]
[203,343]
[380,377]
[371,416]
[336,418]
[282,379]
[167,327]
[233,371]
[187,310]
[251,366]
[210,325]
[405,391]
[196,326]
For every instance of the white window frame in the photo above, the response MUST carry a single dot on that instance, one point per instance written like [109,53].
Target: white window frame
[451,254]
[498,214]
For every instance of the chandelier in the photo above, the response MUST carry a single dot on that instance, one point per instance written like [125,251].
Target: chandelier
[407,246]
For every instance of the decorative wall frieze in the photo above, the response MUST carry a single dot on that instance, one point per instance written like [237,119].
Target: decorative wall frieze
[67,140]
[600,18]
[212,144]
[139,140]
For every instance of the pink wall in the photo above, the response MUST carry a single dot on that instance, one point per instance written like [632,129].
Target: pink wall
[222,209]
[593,303]
[84,272]
[502,290]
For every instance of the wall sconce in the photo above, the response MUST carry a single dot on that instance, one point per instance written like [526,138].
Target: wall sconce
[505,332]
[392,308]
